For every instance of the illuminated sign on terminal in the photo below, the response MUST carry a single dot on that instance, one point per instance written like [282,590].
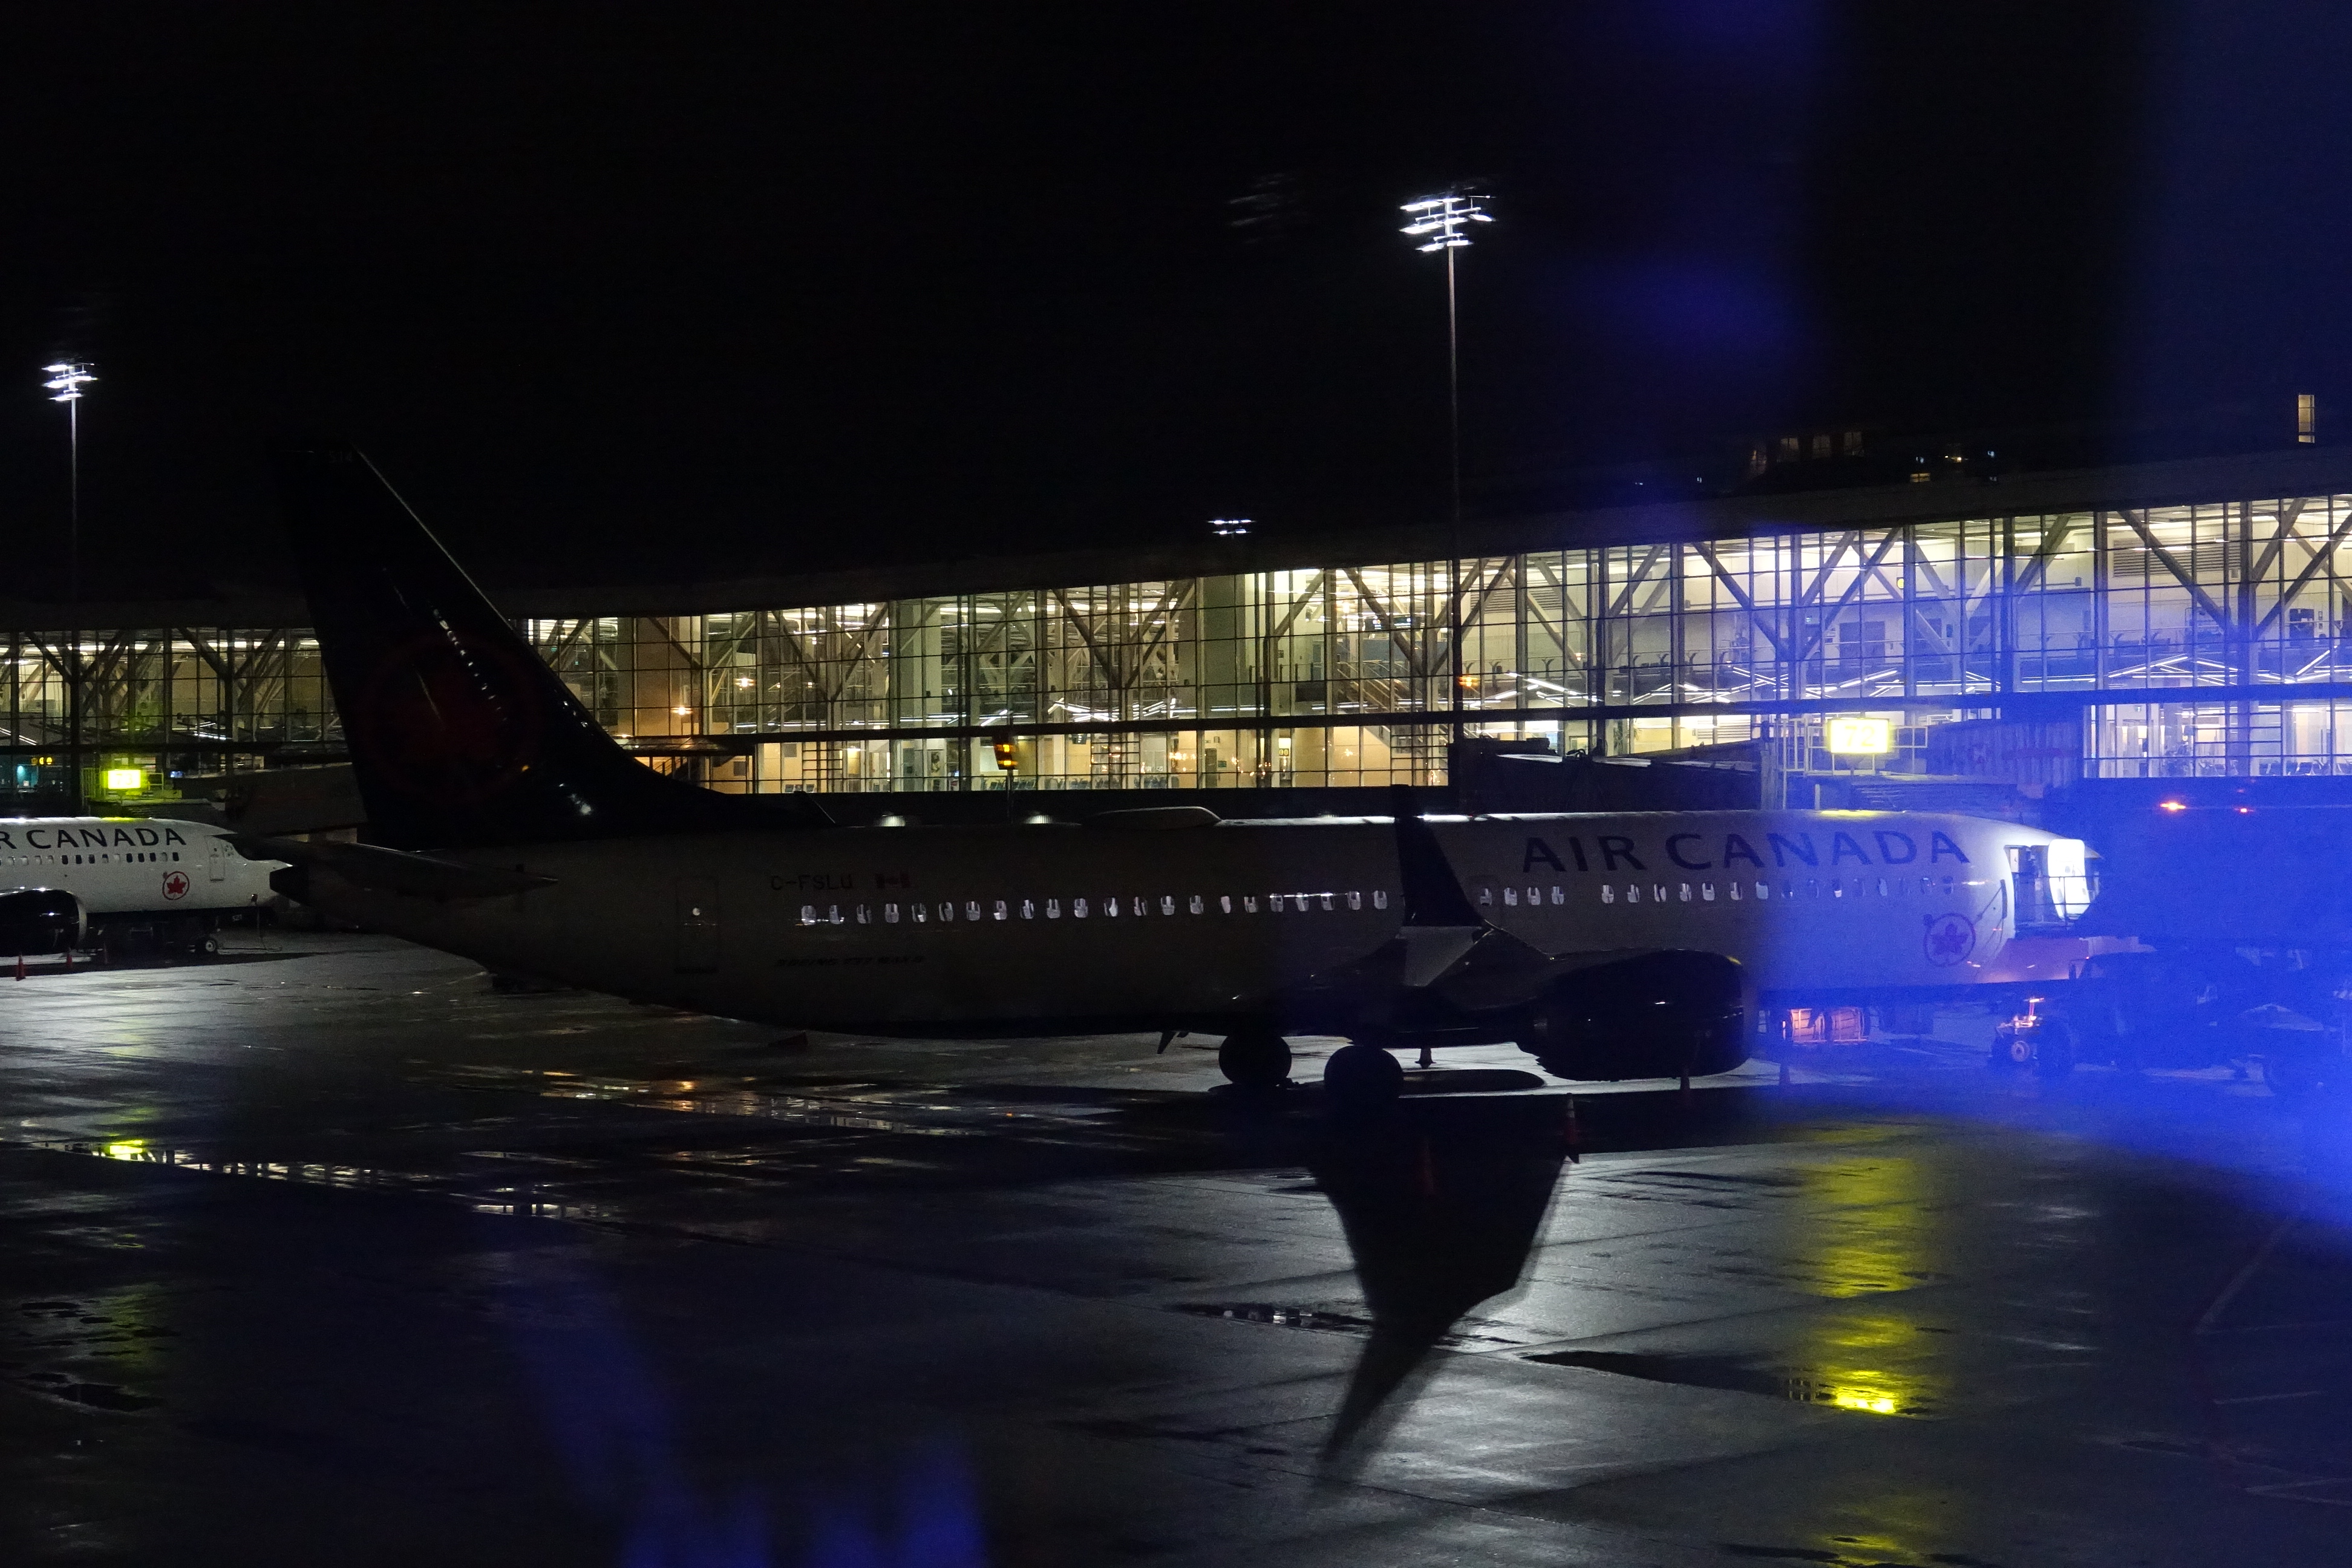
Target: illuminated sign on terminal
[1861,737]
[129,779]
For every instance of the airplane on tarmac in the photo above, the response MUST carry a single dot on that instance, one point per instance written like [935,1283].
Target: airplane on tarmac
[65,879]
[506,826]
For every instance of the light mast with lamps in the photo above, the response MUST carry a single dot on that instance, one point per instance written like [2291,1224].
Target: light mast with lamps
[66,379]
[1440,223]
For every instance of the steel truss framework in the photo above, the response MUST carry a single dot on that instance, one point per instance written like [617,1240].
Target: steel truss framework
[2207,639]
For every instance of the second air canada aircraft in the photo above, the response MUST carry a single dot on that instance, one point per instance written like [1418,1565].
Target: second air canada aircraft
[506,826]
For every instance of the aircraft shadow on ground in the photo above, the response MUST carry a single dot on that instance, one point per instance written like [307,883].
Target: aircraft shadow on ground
[1440,1203]
[1442,1199]
[47,969]
[1440,1195]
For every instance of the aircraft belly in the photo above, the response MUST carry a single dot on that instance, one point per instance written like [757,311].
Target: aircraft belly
[141,895]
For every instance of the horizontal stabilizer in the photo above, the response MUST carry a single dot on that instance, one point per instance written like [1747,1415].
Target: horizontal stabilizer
[381,870]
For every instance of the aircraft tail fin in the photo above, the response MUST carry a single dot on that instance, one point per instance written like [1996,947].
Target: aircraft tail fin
[460,736]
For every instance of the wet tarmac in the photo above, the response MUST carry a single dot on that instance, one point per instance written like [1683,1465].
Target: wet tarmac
[326,1252]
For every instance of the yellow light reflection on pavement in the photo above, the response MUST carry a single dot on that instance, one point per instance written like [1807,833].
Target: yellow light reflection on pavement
[1874,1227]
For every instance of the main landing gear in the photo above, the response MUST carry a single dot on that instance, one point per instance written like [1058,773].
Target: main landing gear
[1359,1077]
[1356,1076]
[1255,1058]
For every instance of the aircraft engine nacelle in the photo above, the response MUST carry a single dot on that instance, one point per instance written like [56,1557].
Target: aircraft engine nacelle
[1656,1016]
[41,919]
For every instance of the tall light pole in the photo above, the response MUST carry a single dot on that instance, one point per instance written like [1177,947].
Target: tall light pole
[66,378]
[1440,224]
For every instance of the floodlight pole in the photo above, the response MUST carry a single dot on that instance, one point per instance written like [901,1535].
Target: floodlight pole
[1441,219]
[1454,380]
[66,381]
[1454,524]
[73,501]
[79,799]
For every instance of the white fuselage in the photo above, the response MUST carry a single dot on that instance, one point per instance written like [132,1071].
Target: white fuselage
[132,866]
[964,930]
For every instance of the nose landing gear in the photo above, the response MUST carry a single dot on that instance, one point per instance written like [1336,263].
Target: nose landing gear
[2036,1042]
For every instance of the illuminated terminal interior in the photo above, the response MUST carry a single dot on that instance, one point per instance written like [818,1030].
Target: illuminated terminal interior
[2203,637]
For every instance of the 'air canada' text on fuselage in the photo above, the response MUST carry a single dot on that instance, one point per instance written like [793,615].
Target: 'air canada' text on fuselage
[1691,852]
[106,838]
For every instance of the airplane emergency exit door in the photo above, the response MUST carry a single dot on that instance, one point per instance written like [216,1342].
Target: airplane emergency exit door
[698,925]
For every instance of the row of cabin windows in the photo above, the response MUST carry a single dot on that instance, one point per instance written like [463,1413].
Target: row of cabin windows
[140,859]
[1134,907]
[1811,888]
[975,909]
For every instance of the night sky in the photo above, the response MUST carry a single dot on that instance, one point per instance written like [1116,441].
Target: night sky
[683,291]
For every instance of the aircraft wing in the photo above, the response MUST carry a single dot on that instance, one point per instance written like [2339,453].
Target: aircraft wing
[1622,1014]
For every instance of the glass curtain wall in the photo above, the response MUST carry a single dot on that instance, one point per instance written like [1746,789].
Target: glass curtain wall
[2179,631]
[166,703]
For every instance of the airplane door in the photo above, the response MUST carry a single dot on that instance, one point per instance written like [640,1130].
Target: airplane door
[216,863]
[698,925]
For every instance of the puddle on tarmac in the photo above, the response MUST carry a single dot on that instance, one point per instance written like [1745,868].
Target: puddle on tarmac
[92,1396]
[707,1097]
[910,1110]
[1318,1320]
[1725,1178]
[532,1157]
[524,1202]
[1862,1391]
[115,1332]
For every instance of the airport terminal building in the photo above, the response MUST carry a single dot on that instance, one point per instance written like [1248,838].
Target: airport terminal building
[2182,619]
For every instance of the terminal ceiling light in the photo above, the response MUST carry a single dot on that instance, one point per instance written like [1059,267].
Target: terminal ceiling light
[1229,527]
